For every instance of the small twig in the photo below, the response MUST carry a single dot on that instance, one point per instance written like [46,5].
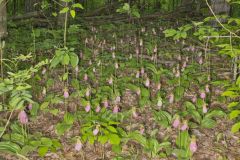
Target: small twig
[7,124]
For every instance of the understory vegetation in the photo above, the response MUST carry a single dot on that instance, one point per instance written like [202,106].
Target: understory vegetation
[151,80]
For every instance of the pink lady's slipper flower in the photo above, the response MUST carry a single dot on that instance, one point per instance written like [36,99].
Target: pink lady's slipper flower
[44,71]
[105,103]
[78,145]
[87,94]
[137,51]
[113,55]
[94,69]
[142,130]
[85,78]
[158,86]
[179,57]
[30,106]
[142,70]
[207,88]
[130,56]
[147,82]
[95,131]
[193,145]
[200,61]
[177,74]
[88,107]
[171,98]
[194,98]
[203,95]
[44,91]
[76,69]
[137,74]
[184,64]
[115,109]
[118,99]
[159,103]
[22,117]
[204,108]
[90,62]
[155,49]
[187,58]
[141,42]
[134,113]
[116,65]
[110,81]
[65,93]
[176,122]
[184,126]
[98,109]
[138,91]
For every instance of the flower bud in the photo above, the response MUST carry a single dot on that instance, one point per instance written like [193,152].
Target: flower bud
[115,109]
[193,145]
[78,145]
[110,81]
[65,93]
[88,107]
[85,78]
[30,106]
[203,95]
[97,109]
[22,117]
[207,88]
[142,70]
[184,126]
[176,122]
[95,131]
[204,108]
[147,82]
[171,98]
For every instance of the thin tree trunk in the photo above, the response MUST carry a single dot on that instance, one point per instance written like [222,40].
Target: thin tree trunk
[3,19]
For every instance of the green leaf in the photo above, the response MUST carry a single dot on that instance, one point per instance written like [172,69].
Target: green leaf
[215,113]
[103,139]
[66,59]
[73,13]
[169,32]
[230,94]
[233,104]
[178,93]
[46,142]
[56,60]
[68,118]
[61,128]
[27,149]
[77,5]
[189,105]
[114,139]
[42,151]
[183,139]
[9,147]
[112,129]
[74,60]
[54,14]
[234,114]
[116,148]
[235,127]
[56,143]
[44,105]
[208,123]
[64,10]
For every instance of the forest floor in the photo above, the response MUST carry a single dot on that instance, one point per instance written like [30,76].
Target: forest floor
[216,143]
